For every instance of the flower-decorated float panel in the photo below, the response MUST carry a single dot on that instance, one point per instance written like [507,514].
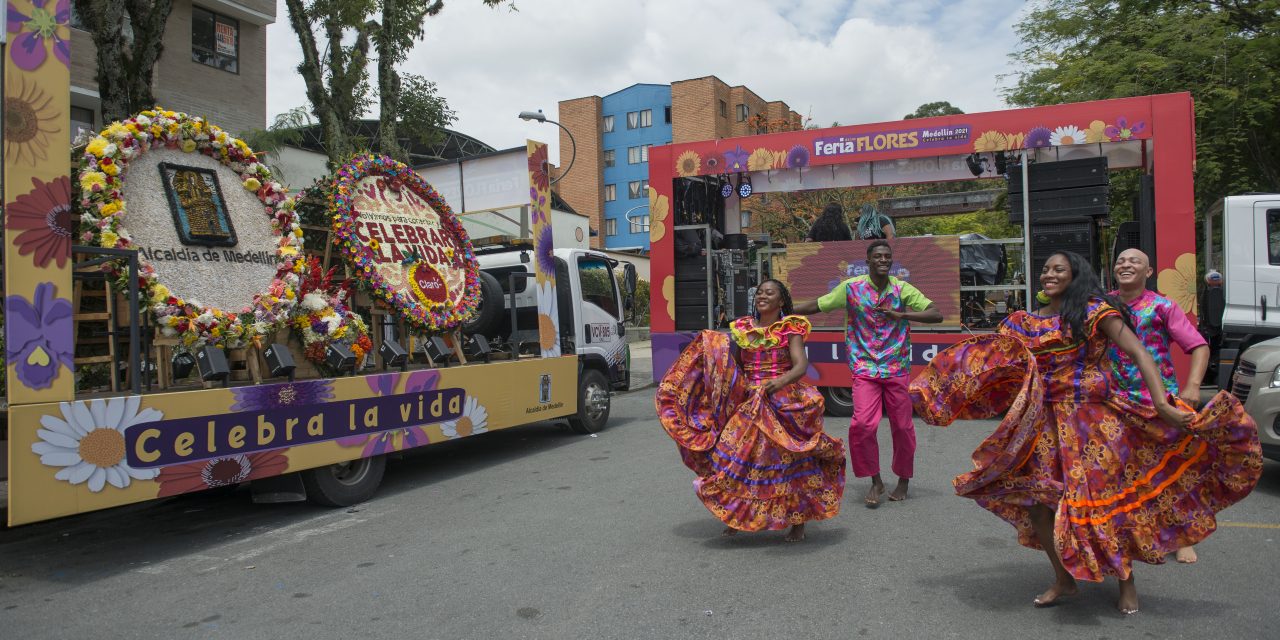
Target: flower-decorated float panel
[404,243]
[94,454]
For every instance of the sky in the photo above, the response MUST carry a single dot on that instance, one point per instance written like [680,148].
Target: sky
[846,61]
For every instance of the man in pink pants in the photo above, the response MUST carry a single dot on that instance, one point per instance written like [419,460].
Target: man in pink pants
[878,311]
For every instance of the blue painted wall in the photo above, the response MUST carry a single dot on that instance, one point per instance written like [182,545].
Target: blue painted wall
[656,97]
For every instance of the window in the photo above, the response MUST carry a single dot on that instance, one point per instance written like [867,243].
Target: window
[667,112]
[640,224]
[609,160]
[633,119]
[646,118]
[638,189]
[724,109]
[598,286]
[742,113]
[81,122]
[1273,235]
[644,152]
[215,40]
[633,155]
[610,226]
[610,193]
[607,125]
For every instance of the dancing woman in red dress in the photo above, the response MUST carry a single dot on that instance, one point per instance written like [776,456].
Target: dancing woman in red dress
[1092,478]
[750,427]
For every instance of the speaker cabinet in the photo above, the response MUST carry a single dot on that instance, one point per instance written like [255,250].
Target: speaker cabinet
[1047,239]
[279,361]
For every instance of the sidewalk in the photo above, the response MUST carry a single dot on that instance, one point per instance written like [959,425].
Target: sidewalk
[641,365]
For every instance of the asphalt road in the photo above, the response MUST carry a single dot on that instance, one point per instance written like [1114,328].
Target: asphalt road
[538,533]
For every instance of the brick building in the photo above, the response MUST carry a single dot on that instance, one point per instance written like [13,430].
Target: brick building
[610,175]
[214,65]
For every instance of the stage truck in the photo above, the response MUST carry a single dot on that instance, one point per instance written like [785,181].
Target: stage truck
[546,340]
[1051,163]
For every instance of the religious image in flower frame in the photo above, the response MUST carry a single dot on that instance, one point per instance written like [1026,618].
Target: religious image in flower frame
[198,208]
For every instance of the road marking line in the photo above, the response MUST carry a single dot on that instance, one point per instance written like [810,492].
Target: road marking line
[1250,525]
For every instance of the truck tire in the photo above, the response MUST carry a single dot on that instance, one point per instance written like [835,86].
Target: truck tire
[839,401]
[594,403]
[488,316]
[345,483]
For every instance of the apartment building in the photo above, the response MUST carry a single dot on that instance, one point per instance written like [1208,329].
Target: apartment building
[214,65]
[609,179]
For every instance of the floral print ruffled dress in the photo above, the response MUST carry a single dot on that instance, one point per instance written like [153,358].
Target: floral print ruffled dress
[762,460]
[1124,485]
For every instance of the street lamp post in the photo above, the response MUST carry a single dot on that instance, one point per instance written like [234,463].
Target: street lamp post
[538,116]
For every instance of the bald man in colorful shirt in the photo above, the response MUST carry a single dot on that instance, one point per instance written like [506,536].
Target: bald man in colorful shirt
[878,311]
[1159,323]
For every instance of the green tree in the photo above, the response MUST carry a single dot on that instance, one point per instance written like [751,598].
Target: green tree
[337,83]
[931,109]
[129,38]
[1225,52]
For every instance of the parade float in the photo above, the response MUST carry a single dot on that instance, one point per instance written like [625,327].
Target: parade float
[234,352]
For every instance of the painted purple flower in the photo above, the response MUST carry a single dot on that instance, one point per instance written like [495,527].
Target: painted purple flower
[39,336]
[277,396]
[1122,130]
[797,157]
[395,439]
[31,31]
[736,160]
[1038,137]
[544,250]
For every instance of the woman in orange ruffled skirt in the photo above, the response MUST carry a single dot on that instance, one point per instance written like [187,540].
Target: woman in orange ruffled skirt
[1094,480]
[749,427]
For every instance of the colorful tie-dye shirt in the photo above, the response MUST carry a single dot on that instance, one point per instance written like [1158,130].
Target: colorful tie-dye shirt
[878,347]
[1157,321]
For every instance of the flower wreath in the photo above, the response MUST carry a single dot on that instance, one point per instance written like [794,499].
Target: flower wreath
[424,314]
[102,208]
[323,317]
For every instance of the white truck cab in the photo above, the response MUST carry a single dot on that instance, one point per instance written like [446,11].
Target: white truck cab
[589,301]
[1242,240]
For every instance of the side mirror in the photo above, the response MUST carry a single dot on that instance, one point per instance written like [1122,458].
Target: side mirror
[629,279]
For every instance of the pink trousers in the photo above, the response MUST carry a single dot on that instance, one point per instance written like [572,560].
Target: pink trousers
[872,398]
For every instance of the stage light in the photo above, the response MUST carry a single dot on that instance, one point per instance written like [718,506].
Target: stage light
[977,164]
[1002,164]
[183,363]
[726,189]
[339,357]
[212,362]
[279,361]
[744,187]
[393,355]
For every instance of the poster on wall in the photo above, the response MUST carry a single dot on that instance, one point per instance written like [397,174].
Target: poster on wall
[932,264]
[226,38]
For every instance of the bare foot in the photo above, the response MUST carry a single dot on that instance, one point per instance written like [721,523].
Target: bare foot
[873,494]
[1128,602]
[796,534]
[1058,591]
[728,531]
[1187,555]
[899,492]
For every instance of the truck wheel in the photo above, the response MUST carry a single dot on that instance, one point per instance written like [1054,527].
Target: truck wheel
[593,403]
[345,483]
[488,317]
[839,401]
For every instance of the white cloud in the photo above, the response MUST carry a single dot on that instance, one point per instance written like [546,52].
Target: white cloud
[852,62]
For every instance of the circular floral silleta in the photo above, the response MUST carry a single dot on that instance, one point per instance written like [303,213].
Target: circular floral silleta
[217,238]
[404,242]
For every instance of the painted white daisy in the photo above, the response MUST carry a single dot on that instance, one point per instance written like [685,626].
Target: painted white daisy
[1066,135]
[88,442]
[474,419]
[548,321]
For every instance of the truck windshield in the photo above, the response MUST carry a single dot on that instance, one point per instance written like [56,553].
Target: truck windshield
[598,286]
